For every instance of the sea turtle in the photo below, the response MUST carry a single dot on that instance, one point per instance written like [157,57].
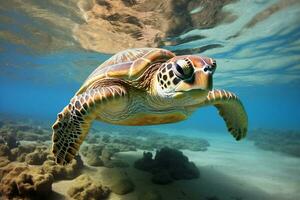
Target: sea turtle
[144,86]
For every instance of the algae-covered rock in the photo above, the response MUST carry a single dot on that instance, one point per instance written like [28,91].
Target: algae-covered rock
[13,132]
[9,139]
[4,150]
[287,142]
[4,161]
[40,184]
[38,157]
[85,188]
[168,165]
[60,172]
[146,163]
[20,180]
[178,142]
[161,177]
[131,140]
[21,151]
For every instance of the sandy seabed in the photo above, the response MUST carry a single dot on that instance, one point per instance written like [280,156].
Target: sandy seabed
[228,170]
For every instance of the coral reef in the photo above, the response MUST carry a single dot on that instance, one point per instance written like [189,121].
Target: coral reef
[84,188]
[177,142]
[101,150]
[38,157]
[287,142]
[31,153]
[167,165]
[20,180]
[146,139]
[9,139]
[4,161]
[28,172]
[28,169]
[19,153]
[60,172]
[101,155]
[13,132]
[4,150]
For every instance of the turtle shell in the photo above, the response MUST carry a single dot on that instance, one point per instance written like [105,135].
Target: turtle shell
[127,65]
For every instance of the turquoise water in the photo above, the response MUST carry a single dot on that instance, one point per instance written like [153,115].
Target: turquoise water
[43,62]
[261,66]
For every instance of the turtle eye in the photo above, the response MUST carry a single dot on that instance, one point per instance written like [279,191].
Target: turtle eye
[184,69]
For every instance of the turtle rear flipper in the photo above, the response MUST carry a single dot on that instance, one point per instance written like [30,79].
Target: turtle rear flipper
[73,123]
[232,111]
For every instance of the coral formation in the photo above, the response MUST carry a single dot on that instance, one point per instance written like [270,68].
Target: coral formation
[20,180]
[84,188]
[9,139]
[131,140]
[28,169]
[4,161]
[4,150]
[19,153]
[13,132]
[287,142]
[167,165]
[177,142]
[60,172]
[38,156]
[101,155]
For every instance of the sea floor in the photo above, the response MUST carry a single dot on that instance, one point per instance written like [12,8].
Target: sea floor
[228,170]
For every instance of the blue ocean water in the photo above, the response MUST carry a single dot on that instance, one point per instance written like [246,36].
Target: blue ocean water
[39,86]
[48,49]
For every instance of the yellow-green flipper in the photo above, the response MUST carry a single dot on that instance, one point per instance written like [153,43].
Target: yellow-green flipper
[232,111]
[143,87]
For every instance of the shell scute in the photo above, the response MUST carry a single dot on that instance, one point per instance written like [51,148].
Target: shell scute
[128,65]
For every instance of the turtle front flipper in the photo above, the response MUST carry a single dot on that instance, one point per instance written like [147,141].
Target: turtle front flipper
[232,111]
[73,123]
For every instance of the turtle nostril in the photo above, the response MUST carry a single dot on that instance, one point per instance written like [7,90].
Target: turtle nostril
[214,64]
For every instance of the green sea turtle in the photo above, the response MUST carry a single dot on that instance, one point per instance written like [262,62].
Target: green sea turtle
[141,87]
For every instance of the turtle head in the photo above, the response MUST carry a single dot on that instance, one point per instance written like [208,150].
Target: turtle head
[186,76]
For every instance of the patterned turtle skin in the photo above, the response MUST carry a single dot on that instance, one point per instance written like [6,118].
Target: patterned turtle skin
[144,86]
